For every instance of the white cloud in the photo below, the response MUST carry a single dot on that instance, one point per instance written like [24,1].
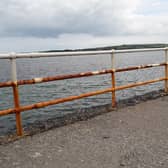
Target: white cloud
[49,24]
[48,18]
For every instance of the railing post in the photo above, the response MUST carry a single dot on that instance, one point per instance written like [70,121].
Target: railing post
[113,78]
[166,70]
[16,95]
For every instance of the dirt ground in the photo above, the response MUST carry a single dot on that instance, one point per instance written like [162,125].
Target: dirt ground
[130,137]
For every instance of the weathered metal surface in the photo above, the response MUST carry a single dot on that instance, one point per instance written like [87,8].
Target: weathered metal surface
[54,78]
[70,98]
[78,75]
[139,84]
[166,71]
[16,97]
[14,83]
[113,91]
[139,67]
[17,110]
[166,80]
[56,101]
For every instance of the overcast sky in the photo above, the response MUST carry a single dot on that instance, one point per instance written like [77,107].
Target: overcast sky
[31,25]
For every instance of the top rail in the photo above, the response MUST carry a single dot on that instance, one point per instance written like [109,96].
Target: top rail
[74,53]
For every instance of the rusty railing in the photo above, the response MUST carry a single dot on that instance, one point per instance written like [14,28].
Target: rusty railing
[14,83]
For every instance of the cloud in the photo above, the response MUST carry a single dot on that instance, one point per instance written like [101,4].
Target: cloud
[52,18]
[50,24]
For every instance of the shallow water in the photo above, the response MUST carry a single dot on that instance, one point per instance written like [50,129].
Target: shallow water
[41,67]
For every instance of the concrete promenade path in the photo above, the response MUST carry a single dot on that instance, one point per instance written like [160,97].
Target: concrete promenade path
[130,137]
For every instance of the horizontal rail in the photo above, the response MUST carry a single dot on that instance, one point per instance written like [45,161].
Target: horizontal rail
[74,53]
[77,75]
[70,98]
[139,67]
[54,78]
[14,83]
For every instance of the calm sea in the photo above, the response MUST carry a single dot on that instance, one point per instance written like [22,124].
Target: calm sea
[41,67]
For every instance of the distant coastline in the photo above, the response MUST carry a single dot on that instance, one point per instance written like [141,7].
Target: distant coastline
[116,47]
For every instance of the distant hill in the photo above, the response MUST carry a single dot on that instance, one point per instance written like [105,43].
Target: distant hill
[116,47]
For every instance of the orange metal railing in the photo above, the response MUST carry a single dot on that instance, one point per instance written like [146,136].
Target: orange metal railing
[16,83]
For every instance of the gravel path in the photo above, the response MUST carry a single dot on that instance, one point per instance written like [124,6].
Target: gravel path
[131,137]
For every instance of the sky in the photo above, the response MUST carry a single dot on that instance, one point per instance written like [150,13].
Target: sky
[33,25]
